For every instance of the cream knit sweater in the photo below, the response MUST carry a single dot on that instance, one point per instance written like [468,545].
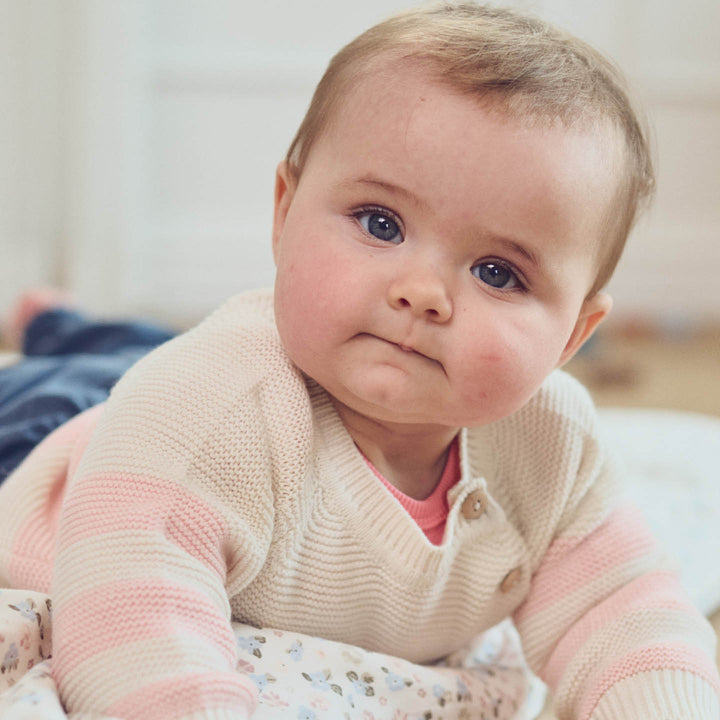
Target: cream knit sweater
[218,482]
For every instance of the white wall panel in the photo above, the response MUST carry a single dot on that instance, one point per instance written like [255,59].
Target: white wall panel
[30,150]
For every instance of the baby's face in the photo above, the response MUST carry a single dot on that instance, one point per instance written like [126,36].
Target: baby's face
[433,259]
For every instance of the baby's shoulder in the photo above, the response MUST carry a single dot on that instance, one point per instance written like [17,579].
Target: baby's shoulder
[561,403]
[561,407]
[228,375]
[560,383]
[231,352]
[542,460]
[216,409]
[544,443]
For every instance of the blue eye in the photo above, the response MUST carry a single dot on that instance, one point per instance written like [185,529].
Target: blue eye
[496,275]
[380,225]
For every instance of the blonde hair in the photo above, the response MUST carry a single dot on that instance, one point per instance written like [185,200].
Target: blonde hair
[515,63]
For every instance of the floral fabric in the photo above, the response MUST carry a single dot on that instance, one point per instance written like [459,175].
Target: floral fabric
[300,677]
[25,633]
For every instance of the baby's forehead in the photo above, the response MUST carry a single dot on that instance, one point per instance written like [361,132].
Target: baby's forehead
[385,81]
[388,74]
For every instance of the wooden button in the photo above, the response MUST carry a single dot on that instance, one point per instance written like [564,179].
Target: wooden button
[510,580]
[474,505]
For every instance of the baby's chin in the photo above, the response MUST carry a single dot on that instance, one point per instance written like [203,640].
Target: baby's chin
[405,419]
[446,415]
[392,398]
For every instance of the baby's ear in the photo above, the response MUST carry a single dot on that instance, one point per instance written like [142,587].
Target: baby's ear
[594,310]
[285,184]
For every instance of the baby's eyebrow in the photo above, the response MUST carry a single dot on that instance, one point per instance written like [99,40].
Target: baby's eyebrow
[519,248]
[376,183]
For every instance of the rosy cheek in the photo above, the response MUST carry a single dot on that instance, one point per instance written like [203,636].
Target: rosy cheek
[506,364]
[304,310]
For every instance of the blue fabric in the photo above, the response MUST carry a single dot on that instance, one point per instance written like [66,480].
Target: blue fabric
[70,364]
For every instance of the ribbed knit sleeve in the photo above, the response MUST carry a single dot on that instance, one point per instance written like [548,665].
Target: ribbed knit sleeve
[605,623]
[31,501]
[166,508]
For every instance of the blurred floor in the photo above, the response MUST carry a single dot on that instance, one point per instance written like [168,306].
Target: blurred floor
[634,366]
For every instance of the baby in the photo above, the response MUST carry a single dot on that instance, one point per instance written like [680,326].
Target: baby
[382,452]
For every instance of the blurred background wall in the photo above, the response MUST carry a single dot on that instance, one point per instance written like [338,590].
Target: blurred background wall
[138,142]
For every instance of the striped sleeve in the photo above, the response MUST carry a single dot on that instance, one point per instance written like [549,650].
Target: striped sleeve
[32,498]
[611,630]
[162,513]
[141,625]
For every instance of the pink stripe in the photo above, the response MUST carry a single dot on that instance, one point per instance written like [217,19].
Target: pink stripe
[87,422]
[181,696]
[33,547]
[670,656]
[655,591]
[126,503]
[571,563]
[131,611]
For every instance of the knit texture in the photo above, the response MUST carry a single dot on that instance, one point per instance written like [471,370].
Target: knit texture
[219,482]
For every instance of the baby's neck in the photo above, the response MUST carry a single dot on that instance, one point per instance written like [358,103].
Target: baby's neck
[410,475]
[411,458]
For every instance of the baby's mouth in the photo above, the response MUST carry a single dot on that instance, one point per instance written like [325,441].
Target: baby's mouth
[400,346]
[408,349]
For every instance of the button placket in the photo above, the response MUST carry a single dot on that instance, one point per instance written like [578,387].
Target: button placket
[474,505]
[510,580]
[475,502]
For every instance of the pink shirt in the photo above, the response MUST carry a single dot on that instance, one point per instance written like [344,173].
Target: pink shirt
[431,513]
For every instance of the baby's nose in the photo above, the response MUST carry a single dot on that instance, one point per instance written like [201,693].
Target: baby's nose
[423,292]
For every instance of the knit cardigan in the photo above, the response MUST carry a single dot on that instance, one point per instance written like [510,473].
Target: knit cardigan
[219,483]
